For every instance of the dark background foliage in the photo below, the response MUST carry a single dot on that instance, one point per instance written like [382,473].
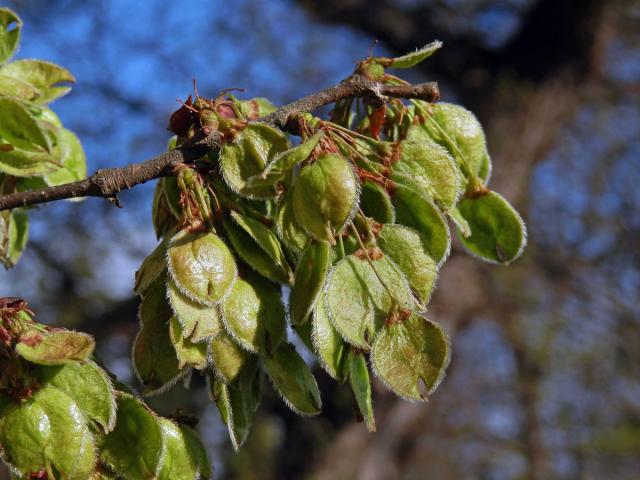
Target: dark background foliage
[545,377]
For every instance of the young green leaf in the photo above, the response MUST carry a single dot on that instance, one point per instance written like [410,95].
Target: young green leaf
[161,218]
[498,233]
[407,249]
[293,236]
[266,240]
[293,380]
[184,455]
[411,357]
[238,402]
[227,357]
[326,196]
[171,191]
[14,87]
[285,161]
[253,255]
[256,107]
[25,163]
[327,343]
[460,222]
[358,303]
[247,156]
[87,385]
[153,266]
[14,234]
[134,448]
[55,347]
[412,59]
[154,359]
[361,386]
[71,157]
[415,210]
[44,114]
[10,28]
[42,75]
[376,203]
[304,333]
[20,129]
[310,275]
[201,265]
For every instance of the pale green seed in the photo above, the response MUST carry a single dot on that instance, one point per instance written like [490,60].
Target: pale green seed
[247,155]
[254,315]
[87,385]
[199,322]
[407,249]
[188,352]
[201,265]
[498,233]
[358,303]
[325,196]
[411,357]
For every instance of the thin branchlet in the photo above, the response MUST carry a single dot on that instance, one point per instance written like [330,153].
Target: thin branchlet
[107,183]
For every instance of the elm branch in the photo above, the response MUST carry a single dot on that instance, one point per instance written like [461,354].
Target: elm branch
[108,182]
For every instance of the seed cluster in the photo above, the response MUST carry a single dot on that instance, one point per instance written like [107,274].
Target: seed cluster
[351,226]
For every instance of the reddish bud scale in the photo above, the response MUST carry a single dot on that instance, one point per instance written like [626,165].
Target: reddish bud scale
[5,337]
[32,339]
[394,155]
[476,191]
[390,186]
[374,177]
[182,119]
[376,121]
[225,109]
[254,110]
[375,227]
[27,391]
[374,253]
[398,316]
[12,303]
[326,146]
[205,116]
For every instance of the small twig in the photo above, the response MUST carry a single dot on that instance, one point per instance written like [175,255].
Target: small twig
[108,182]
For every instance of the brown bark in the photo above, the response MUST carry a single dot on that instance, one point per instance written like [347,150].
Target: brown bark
[107,183]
